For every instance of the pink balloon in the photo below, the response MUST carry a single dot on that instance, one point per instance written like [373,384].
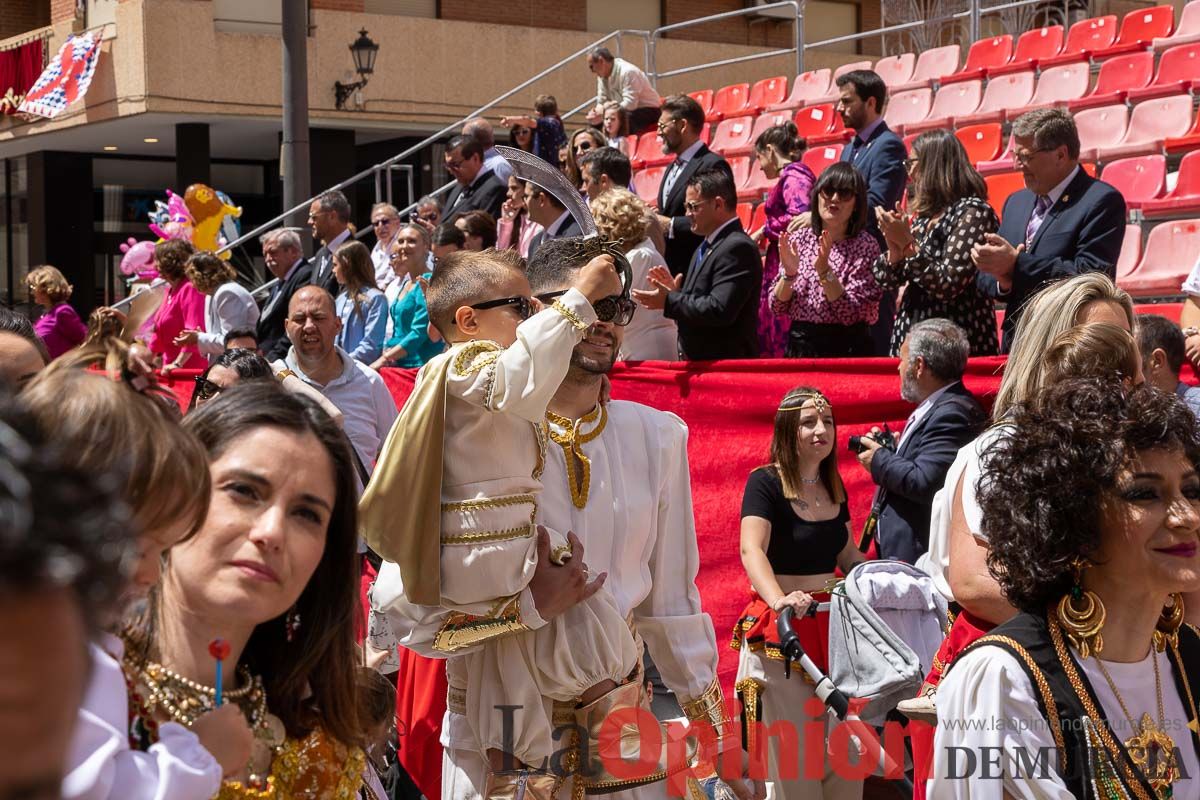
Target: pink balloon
[138,258]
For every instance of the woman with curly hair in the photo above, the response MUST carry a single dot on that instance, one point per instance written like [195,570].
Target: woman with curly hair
[1095,536]
[60,326]
[182,310]
[621,214]
[227,306]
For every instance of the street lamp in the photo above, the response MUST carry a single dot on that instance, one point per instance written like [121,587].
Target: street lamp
[364,51]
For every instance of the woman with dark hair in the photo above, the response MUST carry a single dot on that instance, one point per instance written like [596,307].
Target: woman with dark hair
[227,306]
[273,572]
[582,142]
[360,305]
[480,229]
[1094,537]
[521,137]
[447,239]
[825,286]
[931,257]
[778,151]
[183,308]
[795,534]
[231,367]
[515,230]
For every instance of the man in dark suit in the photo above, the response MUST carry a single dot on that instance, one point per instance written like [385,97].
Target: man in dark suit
[476,188]
[932,360]
[715,303]
[285,260]
[879,154]
[544,209]
[329,217]
[1063,223]
[680,125]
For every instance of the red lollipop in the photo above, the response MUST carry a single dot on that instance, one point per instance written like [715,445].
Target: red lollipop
[218,649]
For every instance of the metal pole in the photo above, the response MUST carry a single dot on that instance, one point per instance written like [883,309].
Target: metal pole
[798,33]
[294,158]
[974,22]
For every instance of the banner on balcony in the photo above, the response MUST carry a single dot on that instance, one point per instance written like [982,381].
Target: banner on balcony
[67,77]
[19,68]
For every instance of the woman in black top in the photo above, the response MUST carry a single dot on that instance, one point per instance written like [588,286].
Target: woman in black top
[795,533]
[931,258]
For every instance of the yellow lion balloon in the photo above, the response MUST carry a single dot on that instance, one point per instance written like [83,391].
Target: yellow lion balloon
[207,212]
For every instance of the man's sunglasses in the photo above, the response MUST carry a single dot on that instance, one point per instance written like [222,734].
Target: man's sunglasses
[205,389]
[841,194]
[615,308]
[522,305]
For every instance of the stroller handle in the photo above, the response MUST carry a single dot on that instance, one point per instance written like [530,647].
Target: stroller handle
[792,650]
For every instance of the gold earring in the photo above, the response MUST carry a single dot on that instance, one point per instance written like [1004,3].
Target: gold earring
[1167,631]
[1081,614]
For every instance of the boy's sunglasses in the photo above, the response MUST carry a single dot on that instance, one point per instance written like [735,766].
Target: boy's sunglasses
[522,305]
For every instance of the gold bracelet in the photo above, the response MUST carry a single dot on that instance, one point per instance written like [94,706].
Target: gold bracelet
[709,707]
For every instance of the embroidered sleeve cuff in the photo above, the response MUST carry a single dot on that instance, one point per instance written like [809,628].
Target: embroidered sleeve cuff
[465,630]
[576,308]
[709,707]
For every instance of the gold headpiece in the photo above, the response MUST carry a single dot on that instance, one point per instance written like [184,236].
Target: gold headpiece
[797,401]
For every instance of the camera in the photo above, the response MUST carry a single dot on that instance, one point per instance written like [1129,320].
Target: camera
[885,438]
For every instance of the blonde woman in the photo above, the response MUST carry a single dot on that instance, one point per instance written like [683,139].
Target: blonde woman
[227,306]
[621,214]
[59,327]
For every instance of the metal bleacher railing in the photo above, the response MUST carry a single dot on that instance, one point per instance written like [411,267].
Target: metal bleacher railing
[382,171]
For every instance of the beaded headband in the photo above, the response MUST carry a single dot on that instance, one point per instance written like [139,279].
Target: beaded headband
[796,402]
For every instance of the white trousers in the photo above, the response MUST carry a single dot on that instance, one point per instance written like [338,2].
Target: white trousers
[783,699]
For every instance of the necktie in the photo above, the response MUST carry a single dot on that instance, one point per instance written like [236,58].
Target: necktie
[702,251]
[1036,218]
[672,176]
[855,148]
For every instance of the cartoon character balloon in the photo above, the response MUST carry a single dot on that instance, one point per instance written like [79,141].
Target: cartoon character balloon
[171,220]
[207,211]
[138,259]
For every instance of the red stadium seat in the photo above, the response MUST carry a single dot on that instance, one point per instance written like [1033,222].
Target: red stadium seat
[646,183]
[1186,143]
[763,123]
[1139,29]
[907,107]
[1100,127]
[1149,125]
[741,170]
[1137,179]
[1032,47]
[1178,72]
[1131,252]
[757,184]
[908,140]
[1008,93]
[807,88]
[1171,250]
[832,95]
[818,158]
[649,152]
[994,51]
[1118,76]
[1058,86]
[896,70]
[1186,32]
[982,142]
[821,125]
[1185,197]
[729,101]
[1083,38]
[766,93]
[733,134]
[932,66]
[745,213]
[704,97]
[1001,186]
[760,217]
[950,103]
[1002,163]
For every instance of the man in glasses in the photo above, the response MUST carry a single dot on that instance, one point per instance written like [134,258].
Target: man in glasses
[680,126]
[329,218]
[1063,223]
[620,82]
[715,302]
[385,222]
[476,187]
[616,474]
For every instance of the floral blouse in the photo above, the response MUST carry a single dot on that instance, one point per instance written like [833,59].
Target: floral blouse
[851,260]
[939,279]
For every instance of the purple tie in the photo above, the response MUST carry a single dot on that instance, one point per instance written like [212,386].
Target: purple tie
[1036,218]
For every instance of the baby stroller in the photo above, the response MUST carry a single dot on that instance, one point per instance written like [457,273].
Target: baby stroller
[886,623]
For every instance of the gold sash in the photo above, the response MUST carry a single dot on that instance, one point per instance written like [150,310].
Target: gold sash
[399,515]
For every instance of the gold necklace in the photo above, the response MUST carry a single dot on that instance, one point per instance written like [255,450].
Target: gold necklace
[571,441]
[1150,746]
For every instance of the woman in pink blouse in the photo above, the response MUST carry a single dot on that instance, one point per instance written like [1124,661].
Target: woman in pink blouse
[825,285]
[779,150]
[182,310]
[60,328]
